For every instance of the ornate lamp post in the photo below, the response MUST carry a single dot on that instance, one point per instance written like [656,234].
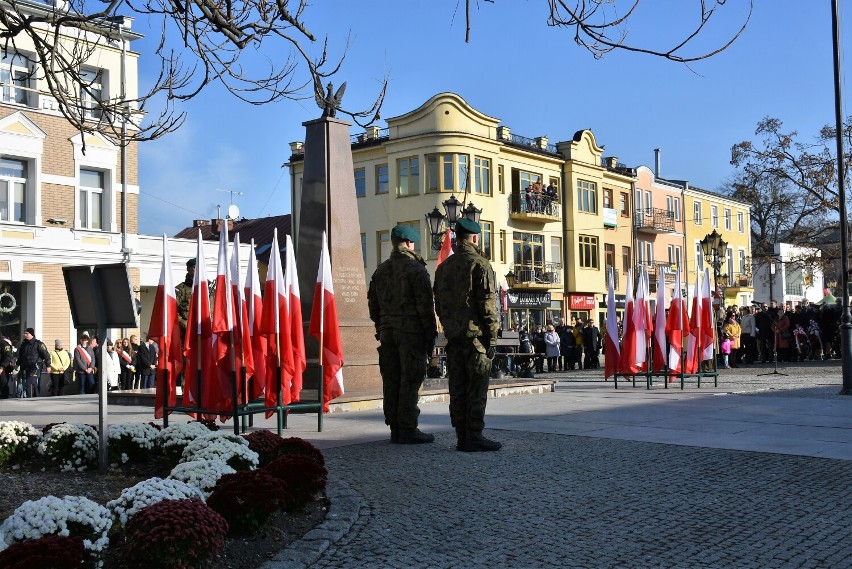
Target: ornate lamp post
[715,248]
[454,210]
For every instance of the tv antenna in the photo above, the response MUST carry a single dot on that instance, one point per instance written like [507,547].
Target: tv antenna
[232,192]
[233,210]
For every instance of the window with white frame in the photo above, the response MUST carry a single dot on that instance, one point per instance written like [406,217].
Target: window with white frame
[727,219]
[742,261]
[714,216]
[697,215]
[699,257]
[13,190]
[729,261]
[383,246]
[382,179]
[675,255]
[740,224]
[645,252]
[91,199]
[481,176]
[673,207]
[15,74]
[487,239]
[91,92]
[408,172]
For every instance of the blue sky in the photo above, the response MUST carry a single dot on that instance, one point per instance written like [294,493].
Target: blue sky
[534,78]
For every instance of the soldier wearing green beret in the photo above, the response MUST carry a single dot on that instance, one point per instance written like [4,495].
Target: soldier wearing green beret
[401,306]
[466,305]
[183,294]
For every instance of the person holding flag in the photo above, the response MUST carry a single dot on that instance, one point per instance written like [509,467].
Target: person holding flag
[164,329]
[324,326]
[465,301]
[402,308]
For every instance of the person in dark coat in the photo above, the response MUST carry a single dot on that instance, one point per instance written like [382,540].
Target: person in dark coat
[567,346]
[32,358]
[591,344]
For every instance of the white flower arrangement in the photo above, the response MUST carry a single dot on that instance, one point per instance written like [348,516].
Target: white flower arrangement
[131,439]
[206,439]
[149,492]
[17,439]
[68,516]
[222,447]
[202,474]
[71,445]
[174,438]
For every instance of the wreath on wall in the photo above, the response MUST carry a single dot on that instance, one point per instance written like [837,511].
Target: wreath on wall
[7,303]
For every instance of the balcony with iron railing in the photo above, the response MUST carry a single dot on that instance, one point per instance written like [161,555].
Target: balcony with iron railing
[741,280]
[654,220]
[669,272]
[535,207]
[537,276]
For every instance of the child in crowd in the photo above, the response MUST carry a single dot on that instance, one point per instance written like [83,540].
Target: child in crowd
[726,350]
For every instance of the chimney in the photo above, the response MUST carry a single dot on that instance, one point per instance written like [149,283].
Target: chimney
[297,148]
[200,223]
[504,133]
[656,162]
[373,132]
[611,162]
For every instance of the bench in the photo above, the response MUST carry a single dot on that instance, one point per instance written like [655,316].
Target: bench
[508,346]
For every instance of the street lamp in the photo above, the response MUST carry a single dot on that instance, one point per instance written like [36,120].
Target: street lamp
[511,278]
[472,212]
[435,221]
[715,248]
[454,210]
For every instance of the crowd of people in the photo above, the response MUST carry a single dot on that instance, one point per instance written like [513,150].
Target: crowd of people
[760,333]
[127,364]
[575,345]
[539,199]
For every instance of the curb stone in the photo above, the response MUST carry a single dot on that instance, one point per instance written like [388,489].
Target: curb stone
[344,512]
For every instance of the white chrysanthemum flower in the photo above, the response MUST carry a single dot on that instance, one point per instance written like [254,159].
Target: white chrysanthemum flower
[237,454]
[72,446]
[17,438]
[174,438]
[202,474]
[150,492]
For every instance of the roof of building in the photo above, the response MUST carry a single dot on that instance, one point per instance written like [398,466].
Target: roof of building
[260,229]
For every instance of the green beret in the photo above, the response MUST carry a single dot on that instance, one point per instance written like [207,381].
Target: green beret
[465,226]
[190,263]
[405,233]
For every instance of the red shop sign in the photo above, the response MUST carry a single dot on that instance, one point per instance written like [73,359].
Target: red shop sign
[581,301]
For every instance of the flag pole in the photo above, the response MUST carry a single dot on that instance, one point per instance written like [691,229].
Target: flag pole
[321,387]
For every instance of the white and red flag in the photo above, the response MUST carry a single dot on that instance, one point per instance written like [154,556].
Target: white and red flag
[641,322]
[693,343]
[225,341]
[242,333]
[275,324]
[611,349]
[325,328]
[677,325]
[628,336]
[297,334]
[254,313]
[660,324]
[164,329]
[446,248]
[708,327]
[198,344]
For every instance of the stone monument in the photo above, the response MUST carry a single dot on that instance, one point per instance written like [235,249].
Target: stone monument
[327,203]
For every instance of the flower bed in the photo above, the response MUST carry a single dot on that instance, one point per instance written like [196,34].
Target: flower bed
[302,477]
[56,552]
[202,474]
[131,442]
[216,446]
[174,438]
[150,492]
[18,440]
[71,446]
[73,516]
[247,498]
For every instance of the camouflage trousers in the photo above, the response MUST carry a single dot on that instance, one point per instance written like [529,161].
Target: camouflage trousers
[402,362]
[468,370]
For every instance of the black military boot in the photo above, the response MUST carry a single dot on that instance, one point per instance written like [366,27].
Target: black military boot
[415,437]
[475,442]
[394,434]
[461,436]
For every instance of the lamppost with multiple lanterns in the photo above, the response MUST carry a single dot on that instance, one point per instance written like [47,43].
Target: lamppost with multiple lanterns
[453,209]
[715,248]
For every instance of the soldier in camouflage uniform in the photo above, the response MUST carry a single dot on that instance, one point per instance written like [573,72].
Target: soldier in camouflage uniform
[400,303]
[183,293]
[465,302]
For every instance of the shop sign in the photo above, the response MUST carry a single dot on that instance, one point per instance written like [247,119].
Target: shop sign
[620,302]
[610,217]
[519,299]
[581,302]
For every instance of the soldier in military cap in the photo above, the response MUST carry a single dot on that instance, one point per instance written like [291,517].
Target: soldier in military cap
[465,302]
[401,306]
[183,293]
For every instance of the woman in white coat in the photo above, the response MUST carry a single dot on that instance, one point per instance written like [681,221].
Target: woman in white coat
[112,367]
[552,341]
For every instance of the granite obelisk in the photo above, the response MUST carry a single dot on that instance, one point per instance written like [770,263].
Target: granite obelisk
[326,202]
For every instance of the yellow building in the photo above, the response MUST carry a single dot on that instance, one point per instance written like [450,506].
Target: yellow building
[550,247]
[730,218]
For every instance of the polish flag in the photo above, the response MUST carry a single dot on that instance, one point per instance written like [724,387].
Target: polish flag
[693,344]
[628,337]
[297,334]
[259,342]
[225,340]
[275,323]
[325,328]
[242,332]
[446,248]
[707,328]
[641,322]
[198,344]
[677,324]
[660,324]
[164,329]
[611,349]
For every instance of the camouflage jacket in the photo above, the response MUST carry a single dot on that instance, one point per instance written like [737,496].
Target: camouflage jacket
[465,296]
[400,295]
[183,293]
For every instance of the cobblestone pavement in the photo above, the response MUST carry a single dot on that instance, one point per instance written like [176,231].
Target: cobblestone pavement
[563,500]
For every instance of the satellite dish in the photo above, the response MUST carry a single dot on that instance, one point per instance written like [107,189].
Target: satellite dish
[233,211]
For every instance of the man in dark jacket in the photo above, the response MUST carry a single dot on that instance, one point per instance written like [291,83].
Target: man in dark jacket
[32,355]
[402,308]
[466,304]
[8,354]
[591,344]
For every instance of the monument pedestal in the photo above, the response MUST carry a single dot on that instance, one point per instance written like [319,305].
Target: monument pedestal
[327,203]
